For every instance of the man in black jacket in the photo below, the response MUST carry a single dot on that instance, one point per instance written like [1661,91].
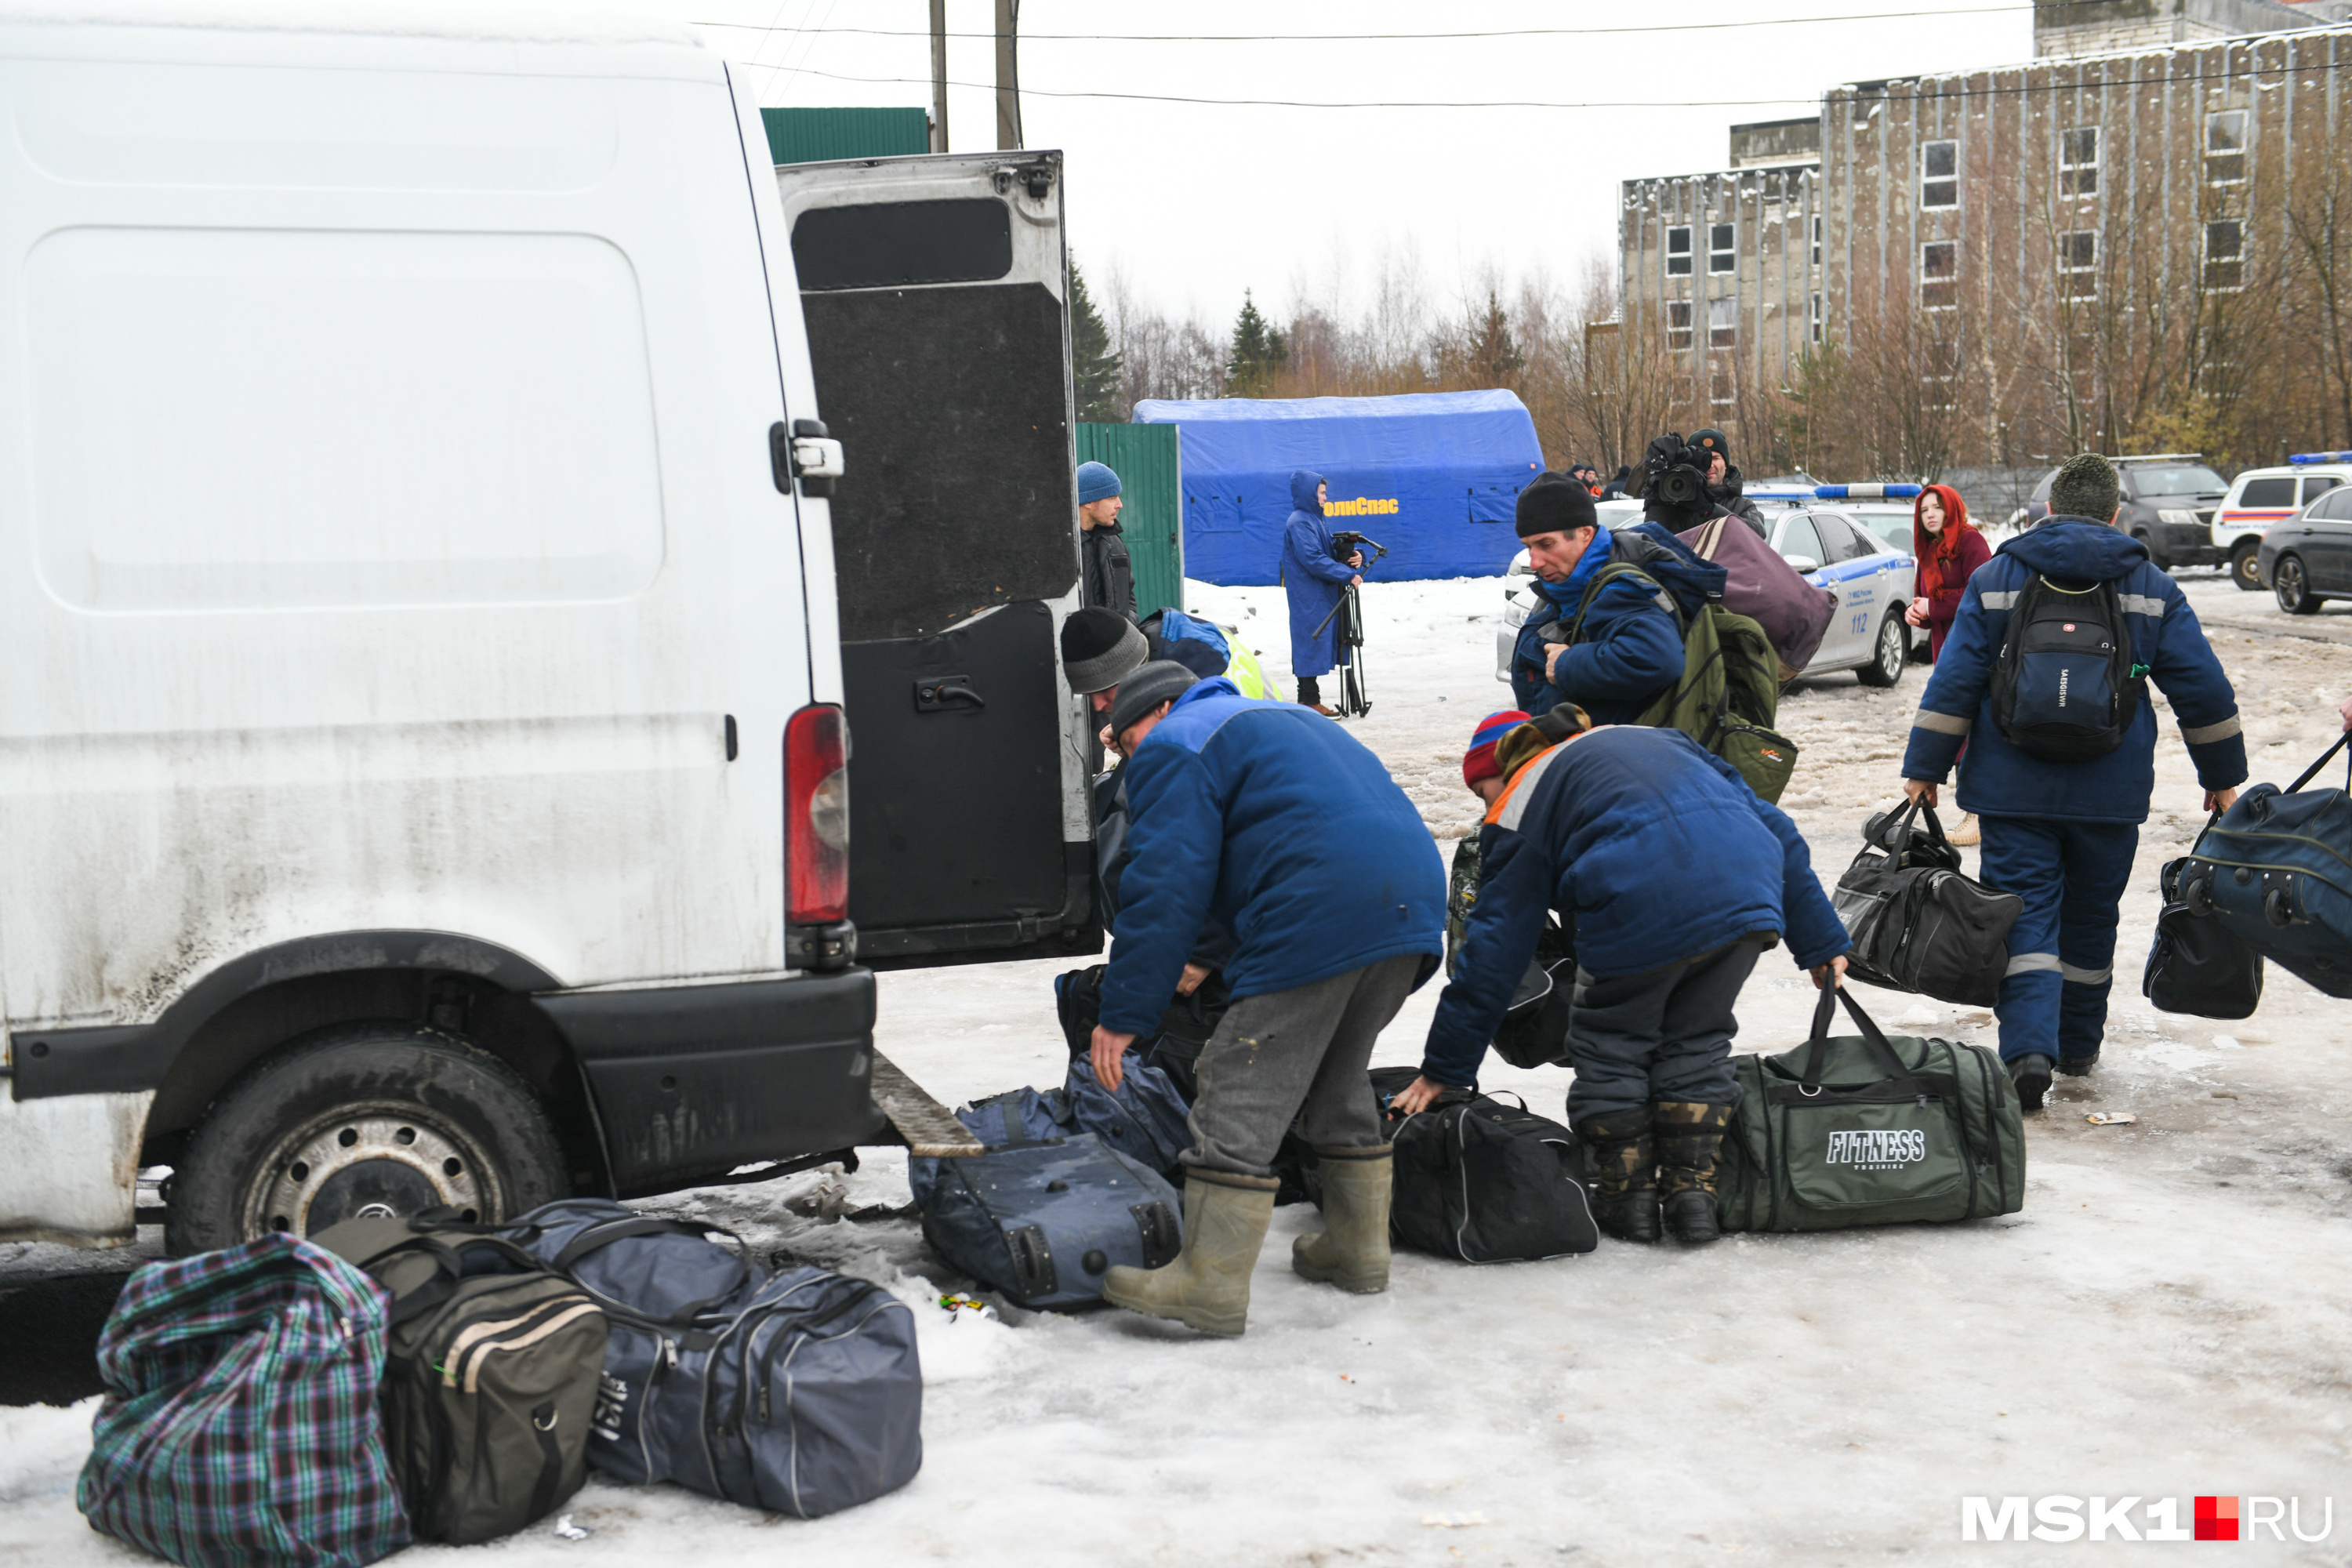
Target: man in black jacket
[1724,481]
[1106,575]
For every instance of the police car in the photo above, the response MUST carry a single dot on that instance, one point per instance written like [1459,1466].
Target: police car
[2261,497]
[1840,537]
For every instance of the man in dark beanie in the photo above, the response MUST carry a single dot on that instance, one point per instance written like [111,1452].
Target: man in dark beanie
[1724,481]
[1606,629]
[2056,749]
[1293,837]
[1106,573]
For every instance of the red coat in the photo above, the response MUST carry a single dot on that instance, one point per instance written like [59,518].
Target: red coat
[1950,573]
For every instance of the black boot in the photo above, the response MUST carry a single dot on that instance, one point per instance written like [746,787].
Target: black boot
[1626,1205]
[2030,1074]
[1688,1134]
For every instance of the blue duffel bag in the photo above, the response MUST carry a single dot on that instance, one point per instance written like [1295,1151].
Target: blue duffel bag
[2276,871]
[1042,1223]
[1145,1118]
[798,1393]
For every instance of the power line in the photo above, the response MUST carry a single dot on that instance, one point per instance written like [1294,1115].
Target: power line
[1402,38]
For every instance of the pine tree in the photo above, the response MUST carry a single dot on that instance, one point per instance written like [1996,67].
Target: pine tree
[1094,368]
[1258,351]
[1494,356]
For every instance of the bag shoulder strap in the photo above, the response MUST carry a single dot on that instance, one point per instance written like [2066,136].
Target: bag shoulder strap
[2310,772]
[1614,572]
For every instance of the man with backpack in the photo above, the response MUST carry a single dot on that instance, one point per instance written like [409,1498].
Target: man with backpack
[1292,836]
[1671,878]
[2043,680]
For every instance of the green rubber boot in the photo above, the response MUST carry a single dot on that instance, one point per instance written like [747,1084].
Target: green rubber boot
[1624,1163]
[1351,1250]
[1208,1286]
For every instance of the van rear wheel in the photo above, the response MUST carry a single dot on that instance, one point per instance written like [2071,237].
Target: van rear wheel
[378,1119]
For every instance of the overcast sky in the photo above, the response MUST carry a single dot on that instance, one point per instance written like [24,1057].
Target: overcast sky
[1196,202]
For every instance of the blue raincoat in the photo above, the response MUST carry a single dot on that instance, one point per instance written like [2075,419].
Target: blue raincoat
[1312,579]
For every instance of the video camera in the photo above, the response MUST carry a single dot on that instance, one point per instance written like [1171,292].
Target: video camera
[1674,473]
[1347,541]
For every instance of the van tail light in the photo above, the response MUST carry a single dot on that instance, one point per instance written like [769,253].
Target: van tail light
[816,816]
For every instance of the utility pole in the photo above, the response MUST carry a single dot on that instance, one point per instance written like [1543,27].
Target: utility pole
[939,76]
[1008,74]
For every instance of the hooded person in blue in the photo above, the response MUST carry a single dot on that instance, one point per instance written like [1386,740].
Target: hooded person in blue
[1313,579]
[2061,834]
[1627,647]
[1671,878]
[1294,839]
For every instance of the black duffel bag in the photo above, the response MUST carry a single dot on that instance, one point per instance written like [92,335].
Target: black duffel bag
[2197,964]
[1533,1032]
[1483,1181]
[1919,923]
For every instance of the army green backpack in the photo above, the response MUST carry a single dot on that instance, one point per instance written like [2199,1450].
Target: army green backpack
[1729,693]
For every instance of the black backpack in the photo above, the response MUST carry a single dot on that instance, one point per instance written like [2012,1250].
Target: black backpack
[2066,688]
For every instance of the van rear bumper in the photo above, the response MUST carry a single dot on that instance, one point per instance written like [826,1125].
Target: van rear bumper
[692,1082]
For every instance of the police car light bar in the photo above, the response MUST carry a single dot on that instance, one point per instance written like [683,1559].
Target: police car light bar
[1866,492]
[2321,458]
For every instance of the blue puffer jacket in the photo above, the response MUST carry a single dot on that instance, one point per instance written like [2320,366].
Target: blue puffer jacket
[1999,780]
[1656,851]
[1283,826]
[1312,580]
[1632,646]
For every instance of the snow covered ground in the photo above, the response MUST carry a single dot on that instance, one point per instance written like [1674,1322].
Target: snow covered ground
[2169,1316]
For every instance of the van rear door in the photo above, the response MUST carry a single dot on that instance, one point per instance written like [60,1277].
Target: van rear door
[933,291]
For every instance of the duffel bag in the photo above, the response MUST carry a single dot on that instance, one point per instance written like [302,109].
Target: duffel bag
[490,1378]
[1919,922]
[1174,1048]
[2196,964]
[1758,584]
[2276,871]
[1534,1031]
[239,1424]
[1145,1118]
[798,1393]
[1862,1130]
[1042,1223]
[1481,1180]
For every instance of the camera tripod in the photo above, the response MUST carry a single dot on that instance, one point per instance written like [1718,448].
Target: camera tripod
[1350,612]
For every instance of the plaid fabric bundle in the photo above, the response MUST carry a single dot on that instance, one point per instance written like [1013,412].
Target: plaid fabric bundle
[240,1425]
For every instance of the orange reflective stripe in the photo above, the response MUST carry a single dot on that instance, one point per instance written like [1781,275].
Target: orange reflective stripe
[1495,812]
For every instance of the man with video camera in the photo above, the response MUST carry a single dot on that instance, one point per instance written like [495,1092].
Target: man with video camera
[1709,450]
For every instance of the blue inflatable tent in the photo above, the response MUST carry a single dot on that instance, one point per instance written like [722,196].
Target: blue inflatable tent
[1434,476]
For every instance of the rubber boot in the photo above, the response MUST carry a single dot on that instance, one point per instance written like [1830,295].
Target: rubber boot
[1208,1286]
[1351,1250]
[1690,1135]
[1625,1161]
[2030,1074]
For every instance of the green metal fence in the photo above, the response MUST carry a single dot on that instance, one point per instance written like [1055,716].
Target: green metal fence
[821,136]
[1151,481]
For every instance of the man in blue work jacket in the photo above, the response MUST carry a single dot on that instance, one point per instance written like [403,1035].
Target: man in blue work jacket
[2060,835]
[1296,839]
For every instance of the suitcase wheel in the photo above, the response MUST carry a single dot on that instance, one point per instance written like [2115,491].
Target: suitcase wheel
[2199,896]
[2277,907]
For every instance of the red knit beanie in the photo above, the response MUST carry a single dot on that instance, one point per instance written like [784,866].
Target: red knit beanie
[1478,762]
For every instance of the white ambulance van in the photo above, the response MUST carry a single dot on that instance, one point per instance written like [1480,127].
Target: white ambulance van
[423,770]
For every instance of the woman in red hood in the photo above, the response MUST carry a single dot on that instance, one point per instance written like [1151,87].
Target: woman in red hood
[1950,549]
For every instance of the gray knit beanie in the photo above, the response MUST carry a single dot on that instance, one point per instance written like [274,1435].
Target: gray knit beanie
[1098,647]
[1161,680]
[2087,486]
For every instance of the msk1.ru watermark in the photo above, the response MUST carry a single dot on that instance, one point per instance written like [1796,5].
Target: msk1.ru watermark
[2063,1518]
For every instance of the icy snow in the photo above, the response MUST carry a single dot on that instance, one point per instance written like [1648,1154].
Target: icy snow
[2171,1314]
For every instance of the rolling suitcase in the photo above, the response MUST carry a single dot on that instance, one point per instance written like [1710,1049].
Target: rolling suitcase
[1042,1223]
[2276,871]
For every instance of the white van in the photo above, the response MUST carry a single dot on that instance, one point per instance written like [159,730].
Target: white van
[2261,497]
[422,753]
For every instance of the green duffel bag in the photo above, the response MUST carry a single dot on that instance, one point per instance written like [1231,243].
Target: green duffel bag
[1862,1130]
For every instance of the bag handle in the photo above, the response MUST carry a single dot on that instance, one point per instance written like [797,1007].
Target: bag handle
[1818,1058]
[2309,772]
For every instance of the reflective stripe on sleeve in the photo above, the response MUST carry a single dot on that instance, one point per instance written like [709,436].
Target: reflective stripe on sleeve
[2147,604]
[2205,734]
[2000,599]
[1942,723]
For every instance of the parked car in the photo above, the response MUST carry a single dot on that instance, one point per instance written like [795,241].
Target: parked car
[2169,503]
[428,778]
[2261,497]
[1834,549]
[2306,560]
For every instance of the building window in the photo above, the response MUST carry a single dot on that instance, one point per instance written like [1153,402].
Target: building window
[1940,173]
[1678,324]
[1678,251]
[1818,318]
[1939,275]
[1719,389]
[1817,242]
[2225,255]
[1722,323]
[2226,130]
[2078,162]
[1722,248]
[2078,264]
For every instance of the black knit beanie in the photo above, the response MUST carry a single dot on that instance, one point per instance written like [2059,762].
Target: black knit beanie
[1554,503]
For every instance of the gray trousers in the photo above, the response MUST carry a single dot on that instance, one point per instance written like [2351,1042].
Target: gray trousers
[1310,1046]
[1663,1034]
